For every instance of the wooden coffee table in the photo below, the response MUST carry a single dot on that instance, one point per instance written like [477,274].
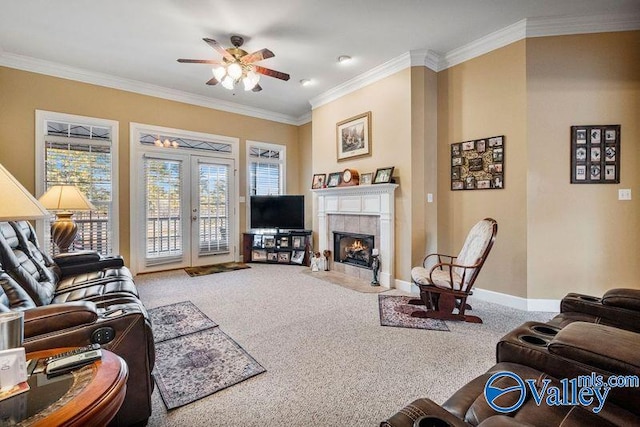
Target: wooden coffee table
[90,395]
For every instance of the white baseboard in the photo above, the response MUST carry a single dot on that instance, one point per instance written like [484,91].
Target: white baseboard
[526,304]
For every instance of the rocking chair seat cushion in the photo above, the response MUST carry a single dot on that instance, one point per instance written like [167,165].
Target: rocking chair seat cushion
[441,278]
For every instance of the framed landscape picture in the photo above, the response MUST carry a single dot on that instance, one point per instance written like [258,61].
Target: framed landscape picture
[353,136]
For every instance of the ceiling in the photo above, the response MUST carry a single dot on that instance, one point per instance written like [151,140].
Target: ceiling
[140,40]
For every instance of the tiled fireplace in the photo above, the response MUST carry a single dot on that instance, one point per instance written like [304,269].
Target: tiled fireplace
[366,210]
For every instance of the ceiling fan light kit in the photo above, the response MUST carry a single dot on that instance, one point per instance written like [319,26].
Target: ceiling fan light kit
[237,66]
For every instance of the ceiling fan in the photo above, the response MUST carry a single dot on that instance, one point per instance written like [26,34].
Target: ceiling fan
[237,65]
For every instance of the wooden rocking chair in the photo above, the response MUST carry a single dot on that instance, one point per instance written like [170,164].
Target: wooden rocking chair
[448,283]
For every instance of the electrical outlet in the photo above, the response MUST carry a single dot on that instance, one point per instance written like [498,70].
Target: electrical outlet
[429,198]
[624,194]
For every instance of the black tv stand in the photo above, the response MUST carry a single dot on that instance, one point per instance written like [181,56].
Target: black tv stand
[277,246]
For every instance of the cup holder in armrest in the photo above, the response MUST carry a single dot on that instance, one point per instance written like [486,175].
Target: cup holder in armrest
[430,421]
[530,339]
[588,298]
[545,329]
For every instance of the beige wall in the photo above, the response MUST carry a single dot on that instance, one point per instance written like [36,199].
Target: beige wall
[484,97]
[581,238]
[24,92]
[389,101]
[305,167]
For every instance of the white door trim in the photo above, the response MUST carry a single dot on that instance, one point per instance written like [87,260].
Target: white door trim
[137,150]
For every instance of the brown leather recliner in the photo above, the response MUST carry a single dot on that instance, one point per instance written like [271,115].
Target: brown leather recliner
[83,299]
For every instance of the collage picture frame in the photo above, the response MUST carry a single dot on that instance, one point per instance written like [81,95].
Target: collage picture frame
[478,164]
[595,154]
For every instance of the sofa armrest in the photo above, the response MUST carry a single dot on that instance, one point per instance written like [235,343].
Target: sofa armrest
[73,263]
[423,408]
[616,310]
[610,349]
[54,317]
[623,298]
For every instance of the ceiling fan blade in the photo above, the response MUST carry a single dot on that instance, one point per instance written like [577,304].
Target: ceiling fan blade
[257,56]
[256,88]
[271,73]
[216,46]
[213,82]
[199,61]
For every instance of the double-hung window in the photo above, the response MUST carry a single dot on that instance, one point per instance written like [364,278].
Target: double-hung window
[266,166]
[81,151]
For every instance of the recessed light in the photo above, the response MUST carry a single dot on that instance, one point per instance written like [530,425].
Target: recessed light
[305,82]
[343,59]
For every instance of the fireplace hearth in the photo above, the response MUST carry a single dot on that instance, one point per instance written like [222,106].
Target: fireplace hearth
[352,248]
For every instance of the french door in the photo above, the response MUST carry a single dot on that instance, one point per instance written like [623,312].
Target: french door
[188,211]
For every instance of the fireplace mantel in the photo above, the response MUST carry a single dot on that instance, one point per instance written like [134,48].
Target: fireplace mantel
[376,200]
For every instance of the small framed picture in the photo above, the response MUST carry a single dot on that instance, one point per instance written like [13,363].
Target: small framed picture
[581,172]
[581,154]
[258,255]
[497,182]
[366,178]
[297,257]
[468,146]
[297,242]
[455,150]
[456,161]
[456,172]
[610,154]
[269,241]
[483,184]
[334,179]
[610,135]
[476,164]
[595,136]
[284,241]
[595,154]
[497,154]
[284,257]
[581,136]
[319,180]
[383,175]
[481,146]
[609,172]
[595,172]
[272,256]
[498,168]
[257,240]
[470,183]
[457,185]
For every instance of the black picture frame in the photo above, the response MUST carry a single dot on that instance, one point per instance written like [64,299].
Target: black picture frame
[595,154]
[384,175]
[478,164]
[334,179]
[319,180]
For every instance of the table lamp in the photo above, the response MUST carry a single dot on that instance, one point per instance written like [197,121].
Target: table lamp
[17,203]
[64,200]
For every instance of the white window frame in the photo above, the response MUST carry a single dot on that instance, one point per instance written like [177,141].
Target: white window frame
[281,161]
[42,117]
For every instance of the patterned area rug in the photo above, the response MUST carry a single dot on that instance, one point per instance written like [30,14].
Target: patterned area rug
[215,268]
[198,364]
[181,318]
[396,311]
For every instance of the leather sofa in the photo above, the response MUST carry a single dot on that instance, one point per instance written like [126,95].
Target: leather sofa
[77,299]
[580,341]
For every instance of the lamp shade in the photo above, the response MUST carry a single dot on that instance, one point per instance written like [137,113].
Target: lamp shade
[17,202]
[65,198]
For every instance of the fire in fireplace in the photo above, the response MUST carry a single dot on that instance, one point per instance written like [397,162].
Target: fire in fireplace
[352,248]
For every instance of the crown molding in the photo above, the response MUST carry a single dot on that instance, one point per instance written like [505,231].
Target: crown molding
[561,26]
[486,44]
[378,73]
[426,58]
[39,66]
[303,119]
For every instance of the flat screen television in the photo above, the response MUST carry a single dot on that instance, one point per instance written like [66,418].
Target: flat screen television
[281,212]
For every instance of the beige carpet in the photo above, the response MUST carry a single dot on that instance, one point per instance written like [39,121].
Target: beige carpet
[328,360]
